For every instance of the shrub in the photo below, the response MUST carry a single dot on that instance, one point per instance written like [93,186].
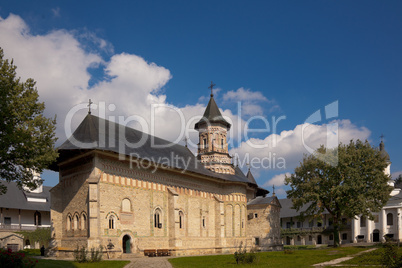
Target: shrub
[389,256]
[81,255]
[241,255]
[9,259]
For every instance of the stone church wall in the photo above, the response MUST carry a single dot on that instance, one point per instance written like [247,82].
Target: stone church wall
[213,216]
[264,226]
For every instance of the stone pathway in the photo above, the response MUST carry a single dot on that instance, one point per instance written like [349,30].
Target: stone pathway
[147,262]
[335,262]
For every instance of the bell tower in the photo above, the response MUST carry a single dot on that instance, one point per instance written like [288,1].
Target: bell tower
[213,147]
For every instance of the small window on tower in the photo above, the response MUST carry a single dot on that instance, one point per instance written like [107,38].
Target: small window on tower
[222,143]
[204,143]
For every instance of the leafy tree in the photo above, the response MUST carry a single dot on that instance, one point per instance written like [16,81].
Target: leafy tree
[346,181]
[27,138]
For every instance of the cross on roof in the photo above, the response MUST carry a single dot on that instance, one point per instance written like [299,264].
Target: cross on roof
[211,87]
[382,137]
[89,106]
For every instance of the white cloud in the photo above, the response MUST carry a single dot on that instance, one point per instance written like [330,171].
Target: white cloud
[249,99]
[242,94]
[284,151]
[277,180]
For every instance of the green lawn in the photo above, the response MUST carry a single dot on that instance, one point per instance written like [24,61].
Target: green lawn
[57,263]
[299,258]
[370,258]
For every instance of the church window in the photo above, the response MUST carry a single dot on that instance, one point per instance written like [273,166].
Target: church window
[362,221]
[83,222]
[111,222]
[330,222]
[76,220]
[181,219]
[344,236]
[126,205]
[376,218]
[222,143]
[158,218]
[319,224]
[204,142]
[68,223]
[298,224]
[255,215]
[311,223]
[310,238]
[390,219]
[37,218]
[298,238]
[203,222]
[257,241]
[331,237]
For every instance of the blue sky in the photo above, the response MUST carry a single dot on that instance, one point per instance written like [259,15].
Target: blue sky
[280,59]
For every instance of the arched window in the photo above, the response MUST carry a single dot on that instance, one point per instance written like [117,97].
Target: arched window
[390,219]
[126,205]
[76,221]
[111,222]
[181,219]
[362,221]
[83,221]
[37,218]
[158,218]
[68,227]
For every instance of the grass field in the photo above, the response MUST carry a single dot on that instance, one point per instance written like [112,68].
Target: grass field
[298,258]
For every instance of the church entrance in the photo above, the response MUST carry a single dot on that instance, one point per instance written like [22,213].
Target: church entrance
[376,235]
[126,244]
[319,240]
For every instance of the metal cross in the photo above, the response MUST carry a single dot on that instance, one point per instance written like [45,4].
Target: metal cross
[211,87]
[273,188]
[382,137]
[89,106]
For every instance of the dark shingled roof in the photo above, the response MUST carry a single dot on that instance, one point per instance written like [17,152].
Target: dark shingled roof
[287,211]
[260,200]
[96,133]
[212,115]
[250,177]
[16,198]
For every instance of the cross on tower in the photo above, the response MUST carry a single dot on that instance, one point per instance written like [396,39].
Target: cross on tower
[89,106]
[382,137]
[211,87]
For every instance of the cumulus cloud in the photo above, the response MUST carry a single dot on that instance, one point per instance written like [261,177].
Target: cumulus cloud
[250,100]
[284,151]
[277,180]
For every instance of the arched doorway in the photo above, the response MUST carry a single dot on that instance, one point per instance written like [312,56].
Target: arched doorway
[376,235]
[126,244]
[319,240]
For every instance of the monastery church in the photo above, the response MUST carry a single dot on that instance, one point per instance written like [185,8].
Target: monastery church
[200,204]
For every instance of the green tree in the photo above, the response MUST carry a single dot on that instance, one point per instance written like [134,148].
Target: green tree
[27,138]
[346,181]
